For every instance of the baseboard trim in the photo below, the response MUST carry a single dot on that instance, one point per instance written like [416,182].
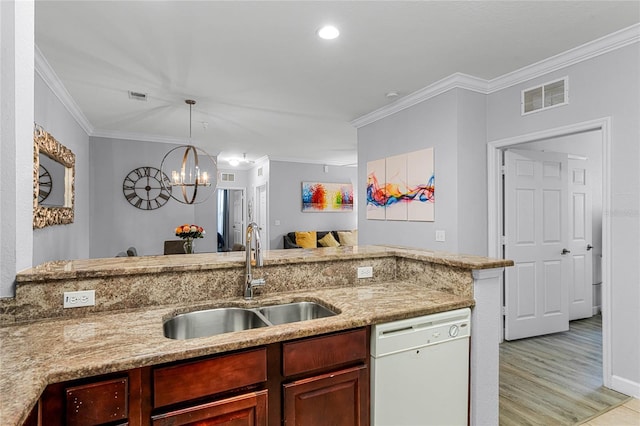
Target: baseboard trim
[596,310]
[625,386]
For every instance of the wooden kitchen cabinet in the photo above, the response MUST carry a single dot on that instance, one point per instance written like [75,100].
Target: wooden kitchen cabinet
[330,380]
[321,380]
[86,403]
[248,409]
[337,399]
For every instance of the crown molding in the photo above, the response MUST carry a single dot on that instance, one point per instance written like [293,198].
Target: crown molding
[144,137]
[589,50]
[51,79]
[457,80]
[310,161]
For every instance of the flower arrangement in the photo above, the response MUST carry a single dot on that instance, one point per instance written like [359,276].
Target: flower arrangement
[187,231]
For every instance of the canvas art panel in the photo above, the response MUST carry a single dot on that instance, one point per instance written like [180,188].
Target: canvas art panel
[376,197]
[327,197]
[402,187]
[396,187]
[421,186]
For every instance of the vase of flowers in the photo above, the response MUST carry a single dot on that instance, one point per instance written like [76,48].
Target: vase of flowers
[189,233]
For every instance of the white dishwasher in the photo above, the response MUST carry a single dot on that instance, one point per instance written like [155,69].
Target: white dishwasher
[420,370]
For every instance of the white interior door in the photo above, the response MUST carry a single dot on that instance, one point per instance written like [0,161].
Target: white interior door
[237,199]
[535,225]
[580,238]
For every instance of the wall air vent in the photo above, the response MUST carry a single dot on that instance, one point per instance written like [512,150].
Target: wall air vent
[227,177]
[545,96]
[137,96]
[260,171]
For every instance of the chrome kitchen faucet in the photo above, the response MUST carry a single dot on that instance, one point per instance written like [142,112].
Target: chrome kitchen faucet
[250,283]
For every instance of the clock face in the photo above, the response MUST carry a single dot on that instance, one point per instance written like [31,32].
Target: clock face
[44,184]
[143,188]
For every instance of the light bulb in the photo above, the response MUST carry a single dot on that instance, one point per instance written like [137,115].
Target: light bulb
[328,32]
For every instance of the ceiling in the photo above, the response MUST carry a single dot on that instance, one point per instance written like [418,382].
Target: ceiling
[265,84]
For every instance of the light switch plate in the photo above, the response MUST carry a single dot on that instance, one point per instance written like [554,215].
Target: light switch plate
[77,299]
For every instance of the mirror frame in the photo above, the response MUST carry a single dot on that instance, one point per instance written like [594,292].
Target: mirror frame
[45,143]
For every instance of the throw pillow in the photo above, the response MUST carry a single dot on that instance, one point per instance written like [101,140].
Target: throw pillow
[348,238]
[328,241]
[307,239]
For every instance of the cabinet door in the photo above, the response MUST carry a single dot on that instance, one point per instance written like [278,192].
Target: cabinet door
[337,399]
[249,409]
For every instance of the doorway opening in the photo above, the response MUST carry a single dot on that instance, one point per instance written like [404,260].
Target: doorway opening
[230,218]
[496,219]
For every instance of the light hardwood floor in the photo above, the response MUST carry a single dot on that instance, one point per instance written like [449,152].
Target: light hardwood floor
[555,379]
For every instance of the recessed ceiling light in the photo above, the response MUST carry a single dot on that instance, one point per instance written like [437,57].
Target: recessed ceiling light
[328,32]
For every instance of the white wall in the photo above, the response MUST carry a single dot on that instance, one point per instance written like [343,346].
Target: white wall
[285,199]
[472,173]
[116,224]
[604,86]
[16,136]
[433,123]
[64,242]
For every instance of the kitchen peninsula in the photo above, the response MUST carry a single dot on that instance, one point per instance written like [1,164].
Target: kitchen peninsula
[42,343]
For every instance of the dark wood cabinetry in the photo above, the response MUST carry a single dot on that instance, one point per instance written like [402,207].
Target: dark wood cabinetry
[338,399]
[248,409]
[320,380]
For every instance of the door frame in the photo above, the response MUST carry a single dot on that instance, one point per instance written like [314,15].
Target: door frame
[244,203]
[494,210]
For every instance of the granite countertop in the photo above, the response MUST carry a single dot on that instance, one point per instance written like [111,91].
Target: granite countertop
[119,266]
[37,354]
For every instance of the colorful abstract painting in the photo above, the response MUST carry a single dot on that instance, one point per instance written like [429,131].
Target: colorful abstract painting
[376,197]
[402,187]
[327,197]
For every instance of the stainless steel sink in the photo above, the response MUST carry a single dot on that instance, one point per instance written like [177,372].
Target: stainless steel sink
[225,320]
[211,322]
[294,312]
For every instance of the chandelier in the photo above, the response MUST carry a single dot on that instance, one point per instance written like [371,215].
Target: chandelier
[192,171]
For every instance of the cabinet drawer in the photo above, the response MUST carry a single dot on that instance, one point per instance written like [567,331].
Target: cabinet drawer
[97,403]
[247,409]
[324,352]
[196,379]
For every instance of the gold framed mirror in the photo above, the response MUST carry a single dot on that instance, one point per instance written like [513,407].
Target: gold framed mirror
[61,182]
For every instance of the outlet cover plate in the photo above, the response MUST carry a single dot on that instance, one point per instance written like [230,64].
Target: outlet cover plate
[77,299]
[440,235]
[365,272]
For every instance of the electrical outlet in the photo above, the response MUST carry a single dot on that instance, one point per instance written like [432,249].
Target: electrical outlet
[365,272]
[440,235]
[77,299]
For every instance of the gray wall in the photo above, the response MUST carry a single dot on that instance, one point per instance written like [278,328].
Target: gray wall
[605,86]
[116,224]
[285,203]
[64,242]
[433,123]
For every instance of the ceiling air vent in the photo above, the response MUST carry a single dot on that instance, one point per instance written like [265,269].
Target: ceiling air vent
[137,96]
[228,177]
[545,96]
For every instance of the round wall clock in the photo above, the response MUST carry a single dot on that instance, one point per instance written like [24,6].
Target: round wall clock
[44,184]
[143,188]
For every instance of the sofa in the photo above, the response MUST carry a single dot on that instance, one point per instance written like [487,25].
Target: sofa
[313,239]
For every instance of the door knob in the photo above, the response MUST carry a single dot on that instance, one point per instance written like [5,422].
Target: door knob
[589,247]
[565,251]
